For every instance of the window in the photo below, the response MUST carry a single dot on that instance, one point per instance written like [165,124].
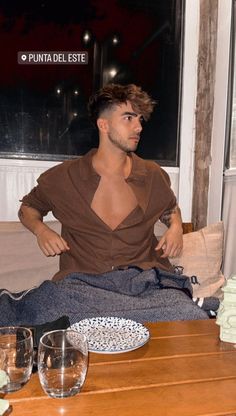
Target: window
[43,107]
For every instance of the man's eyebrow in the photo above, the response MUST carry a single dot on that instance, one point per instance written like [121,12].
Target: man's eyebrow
[131,113]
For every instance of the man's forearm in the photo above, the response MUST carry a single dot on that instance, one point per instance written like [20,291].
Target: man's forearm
[172,217]
[176,219]
[171,242]
[31,219]
[48,240]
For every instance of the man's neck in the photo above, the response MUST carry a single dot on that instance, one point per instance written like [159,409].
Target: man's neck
[112,163]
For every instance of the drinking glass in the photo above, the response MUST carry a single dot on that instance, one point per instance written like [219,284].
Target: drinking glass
[16,344]
[62,362]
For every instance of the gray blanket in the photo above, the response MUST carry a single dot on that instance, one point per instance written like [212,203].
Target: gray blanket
[151,295]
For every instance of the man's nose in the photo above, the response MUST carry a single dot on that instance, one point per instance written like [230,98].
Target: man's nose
[138,126]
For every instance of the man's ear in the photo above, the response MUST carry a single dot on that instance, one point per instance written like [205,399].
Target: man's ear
[102,124]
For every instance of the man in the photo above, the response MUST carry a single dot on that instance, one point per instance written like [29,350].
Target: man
[107,195]
[108,202]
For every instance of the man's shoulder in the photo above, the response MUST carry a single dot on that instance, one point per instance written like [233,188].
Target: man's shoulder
[69,170]
[150,165]
[71,165]
[61,168]
[67,164]
[152,170]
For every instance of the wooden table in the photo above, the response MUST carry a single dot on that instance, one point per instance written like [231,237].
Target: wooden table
[184,370]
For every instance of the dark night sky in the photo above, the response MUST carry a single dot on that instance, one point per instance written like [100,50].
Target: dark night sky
[148,55]
[49,25]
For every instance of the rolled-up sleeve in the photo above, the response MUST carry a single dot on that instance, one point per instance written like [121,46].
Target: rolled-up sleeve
[35,199]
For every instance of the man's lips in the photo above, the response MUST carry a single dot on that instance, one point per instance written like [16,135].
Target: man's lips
[135,138]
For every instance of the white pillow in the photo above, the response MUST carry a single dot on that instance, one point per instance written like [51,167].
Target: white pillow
[202,257]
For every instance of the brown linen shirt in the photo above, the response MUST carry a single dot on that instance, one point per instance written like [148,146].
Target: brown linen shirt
[68,189]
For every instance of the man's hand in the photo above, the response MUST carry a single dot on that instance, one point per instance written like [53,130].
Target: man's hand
[51,243]
[48,240]
[171,242]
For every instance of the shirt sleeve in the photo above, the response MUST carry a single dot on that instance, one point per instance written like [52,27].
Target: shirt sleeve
[171,202]
[37,200]
[39,196]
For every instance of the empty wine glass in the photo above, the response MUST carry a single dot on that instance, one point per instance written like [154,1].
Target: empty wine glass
[16,344]
[62,362]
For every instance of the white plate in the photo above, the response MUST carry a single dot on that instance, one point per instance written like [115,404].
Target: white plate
[112,335]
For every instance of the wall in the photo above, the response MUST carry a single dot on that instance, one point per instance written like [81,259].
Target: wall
[229,219]
[220,111]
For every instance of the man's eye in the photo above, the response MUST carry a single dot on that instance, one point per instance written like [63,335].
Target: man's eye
[128,118]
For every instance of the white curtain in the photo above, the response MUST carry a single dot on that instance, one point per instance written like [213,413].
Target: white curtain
[229,219]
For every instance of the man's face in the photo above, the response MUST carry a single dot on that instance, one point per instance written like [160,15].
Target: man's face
[124,127]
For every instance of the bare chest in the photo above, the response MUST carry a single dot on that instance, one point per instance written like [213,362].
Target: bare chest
[113,201]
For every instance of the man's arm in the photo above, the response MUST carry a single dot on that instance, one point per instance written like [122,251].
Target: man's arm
[48,240]
[171,242]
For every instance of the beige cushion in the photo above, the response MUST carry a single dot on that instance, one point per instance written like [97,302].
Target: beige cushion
[202,257]
[23,265]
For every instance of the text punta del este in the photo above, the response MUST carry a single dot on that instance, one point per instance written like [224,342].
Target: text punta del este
[67,57]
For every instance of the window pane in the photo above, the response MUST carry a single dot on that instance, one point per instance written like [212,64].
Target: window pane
[43,110]
[232,145]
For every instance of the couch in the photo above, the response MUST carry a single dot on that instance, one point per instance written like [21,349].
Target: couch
[23,265]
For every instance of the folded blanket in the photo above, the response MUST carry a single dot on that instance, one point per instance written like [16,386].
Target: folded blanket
[150,295]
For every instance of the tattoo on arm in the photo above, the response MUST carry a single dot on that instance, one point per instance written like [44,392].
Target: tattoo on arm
[166,216]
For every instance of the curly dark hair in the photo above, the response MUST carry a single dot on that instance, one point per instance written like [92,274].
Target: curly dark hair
[112,95]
